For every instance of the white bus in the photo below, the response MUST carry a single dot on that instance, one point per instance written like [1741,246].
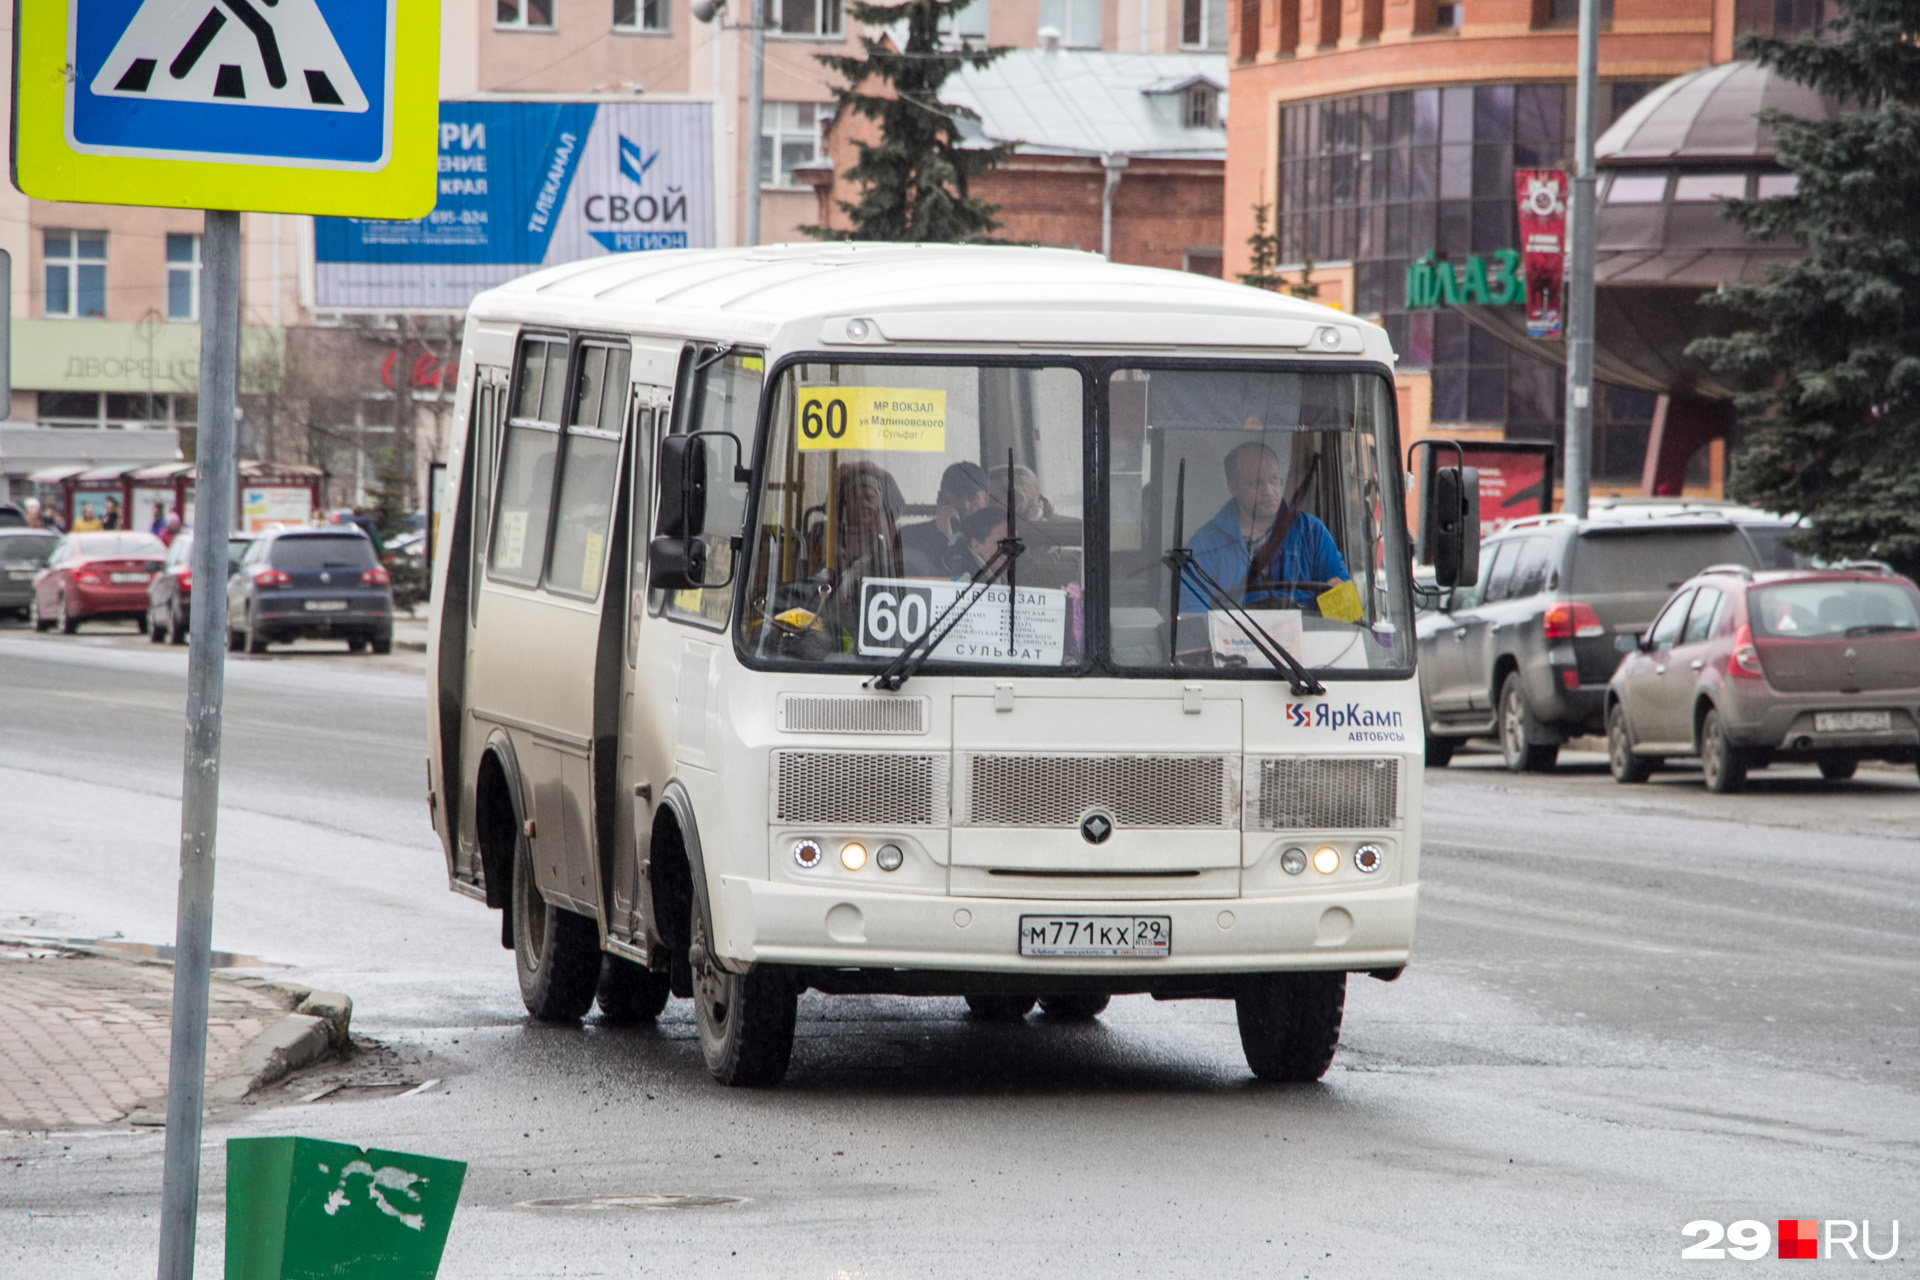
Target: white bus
[997,623]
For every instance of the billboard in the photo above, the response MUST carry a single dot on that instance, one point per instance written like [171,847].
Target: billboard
[524,185]
[1516,479]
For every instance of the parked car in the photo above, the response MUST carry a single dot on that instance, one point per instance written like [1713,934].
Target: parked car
[170,594]
[91,576]
[322,582]
[23,553]
[1743,669]
[1525,654]
[12,517]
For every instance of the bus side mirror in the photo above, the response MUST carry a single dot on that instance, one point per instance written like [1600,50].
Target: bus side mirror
[1450,525]
[677,564]
[683,486]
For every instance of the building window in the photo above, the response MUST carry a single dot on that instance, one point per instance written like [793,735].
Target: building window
[69,409]
[183,277]
[1203,24]
[805,17]
[1569,11]
[76,273]
[639,15]
[1781,19]
[1077,21]
[789,139]
[525,15]
[969,22]
[1446,17]
[1200,107]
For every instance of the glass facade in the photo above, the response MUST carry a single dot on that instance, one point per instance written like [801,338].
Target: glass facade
[1379,179]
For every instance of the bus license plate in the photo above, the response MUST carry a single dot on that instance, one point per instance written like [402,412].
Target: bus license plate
[1852,721]
[1104,937]
[326,606]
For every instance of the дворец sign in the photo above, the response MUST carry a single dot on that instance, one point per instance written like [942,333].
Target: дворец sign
[524,185]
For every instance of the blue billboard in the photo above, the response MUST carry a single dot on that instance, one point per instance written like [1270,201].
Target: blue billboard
[525,185]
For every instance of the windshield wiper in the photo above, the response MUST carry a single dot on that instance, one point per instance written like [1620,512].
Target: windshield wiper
[1180,560]
[911,658]
[1879,629]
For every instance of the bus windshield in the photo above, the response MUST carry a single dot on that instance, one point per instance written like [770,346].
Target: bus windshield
[944,508]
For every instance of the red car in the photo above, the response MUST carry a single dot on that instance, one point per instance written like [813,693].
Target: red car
[96,575]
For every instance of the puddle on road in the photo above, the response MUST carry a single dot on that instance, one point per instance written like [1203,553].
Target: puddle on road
[633,1202]
[162,951]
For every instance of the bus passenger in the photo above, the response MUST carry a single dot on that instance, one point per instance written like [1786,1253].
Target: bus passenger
[1259,547]
[937,548]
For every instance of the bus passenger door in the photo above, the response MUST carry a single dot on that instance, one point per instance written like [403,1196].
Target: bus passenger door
[645,757]
[460,743]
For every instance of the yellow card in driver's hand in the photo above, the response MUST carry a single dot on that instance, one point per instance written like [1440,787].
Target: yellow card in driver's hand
[1341,602]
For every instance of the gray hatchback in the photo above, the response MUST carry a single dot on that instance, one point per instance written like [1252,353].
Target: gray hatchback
[23,553]
[310,583]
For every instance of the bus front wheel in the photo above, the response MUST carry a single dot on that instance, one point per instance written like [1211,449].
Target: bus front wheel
[1290,1024]
[556,952]
[746,1019]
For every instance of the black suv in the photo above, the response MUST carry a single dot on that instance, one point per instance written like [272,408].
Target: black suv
[298,583]
[1524,655]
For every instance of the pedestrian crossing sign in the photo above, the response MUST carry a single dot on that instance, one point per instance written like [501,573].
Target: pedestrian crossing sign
[280,106]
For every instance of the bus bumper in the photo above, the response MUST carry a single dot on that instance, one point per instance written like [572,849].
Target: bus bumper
[767,922]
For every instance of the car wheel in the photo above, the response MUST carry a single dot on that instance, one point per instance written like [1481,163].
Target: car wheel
[33,614]
[176,626]
[1621,762]
[256,642]
[556,952]
[382,644]
[1838,770]
[746,1019]
[1290,1024]
[143,623]
[629,993]
[1722,764]
[68,625]
[1518,731]
[1081,1006]
[1439,751]
[356,646]
[156,631]
[994,1006]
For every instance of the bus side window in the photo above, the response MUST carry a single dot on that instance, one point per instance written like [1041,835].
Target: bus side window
[589,471]
[489,396]
[528,457]
[641,522]
[726,398]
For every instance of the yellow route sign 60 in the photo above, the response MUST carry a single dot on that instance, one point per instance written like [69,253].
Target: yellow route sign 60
[900,418]
[278,106]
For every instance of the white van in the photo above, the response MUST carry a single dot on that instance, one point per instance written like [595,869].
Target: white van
[989,622]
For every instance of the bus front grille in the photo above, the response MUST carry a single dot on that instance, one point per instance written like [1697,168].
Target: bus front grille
[1007,790]
[860,788]
[1324,795]
[830,713]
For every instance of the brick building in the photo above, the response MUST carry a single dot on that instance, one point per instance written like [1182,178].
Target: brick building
[1118,153]
[1380,130]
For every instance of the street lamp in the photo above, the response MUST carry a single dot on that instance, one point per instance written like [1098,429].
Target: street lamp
[706,11]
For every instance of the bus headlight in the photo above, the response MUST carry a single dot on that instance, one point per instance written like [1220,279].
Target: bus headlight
[1326,859]
[853,855]
[807,854]
[888,857]
[1367,858]
[1293,861]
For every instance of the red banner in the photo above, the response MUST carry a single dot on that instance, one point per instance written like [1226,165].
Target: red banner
[1516,479]
[1542,194]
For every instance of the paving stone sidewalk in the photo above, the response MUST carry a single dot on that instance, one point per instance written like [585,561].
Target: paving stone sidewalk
[84,1038]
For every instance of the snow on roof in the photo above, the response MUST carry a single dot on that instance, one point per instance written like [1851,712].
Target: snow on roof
[1087,102]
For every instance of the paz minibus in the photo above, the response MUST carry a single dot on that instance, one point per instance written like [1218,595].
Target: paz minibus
[989,622]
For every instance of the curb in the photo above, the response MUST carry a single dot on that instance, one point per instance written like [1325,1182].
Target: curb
[316,1023]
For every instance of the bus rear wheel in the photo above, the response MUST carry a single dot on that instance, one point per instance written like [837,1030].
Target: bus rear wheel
[746,1019]
[1290,1024]
[630,993]
[556,952]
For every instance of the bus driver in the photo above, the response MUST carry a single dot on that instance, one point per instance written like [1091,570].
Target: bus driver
[1260,548]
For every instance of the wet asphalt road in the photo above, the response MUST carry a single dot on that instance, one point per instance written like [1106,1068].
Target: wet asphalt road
[1630,1008]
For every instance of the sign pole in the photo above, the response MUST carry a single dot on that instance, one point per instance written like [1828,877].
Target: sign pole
[200,784]
[1581,227]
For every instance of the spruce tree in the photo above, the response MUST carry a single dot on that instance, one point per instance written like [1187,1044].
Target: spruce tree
[914,180]
[1828,352]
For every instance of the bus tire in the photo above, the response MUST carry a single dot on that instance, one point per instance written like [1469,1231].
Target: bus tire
[1290,1024]
[629,993]
[995,1006]
[1080,1006]
[746,1019]
[556,953]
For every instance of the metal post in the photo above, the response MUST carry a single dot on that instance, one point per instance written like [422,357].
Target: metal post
[756,94]
[1580,238]
[200,789]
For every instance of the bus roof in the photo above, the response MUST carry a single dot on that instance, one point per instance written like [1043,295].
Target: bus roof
[810,296]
